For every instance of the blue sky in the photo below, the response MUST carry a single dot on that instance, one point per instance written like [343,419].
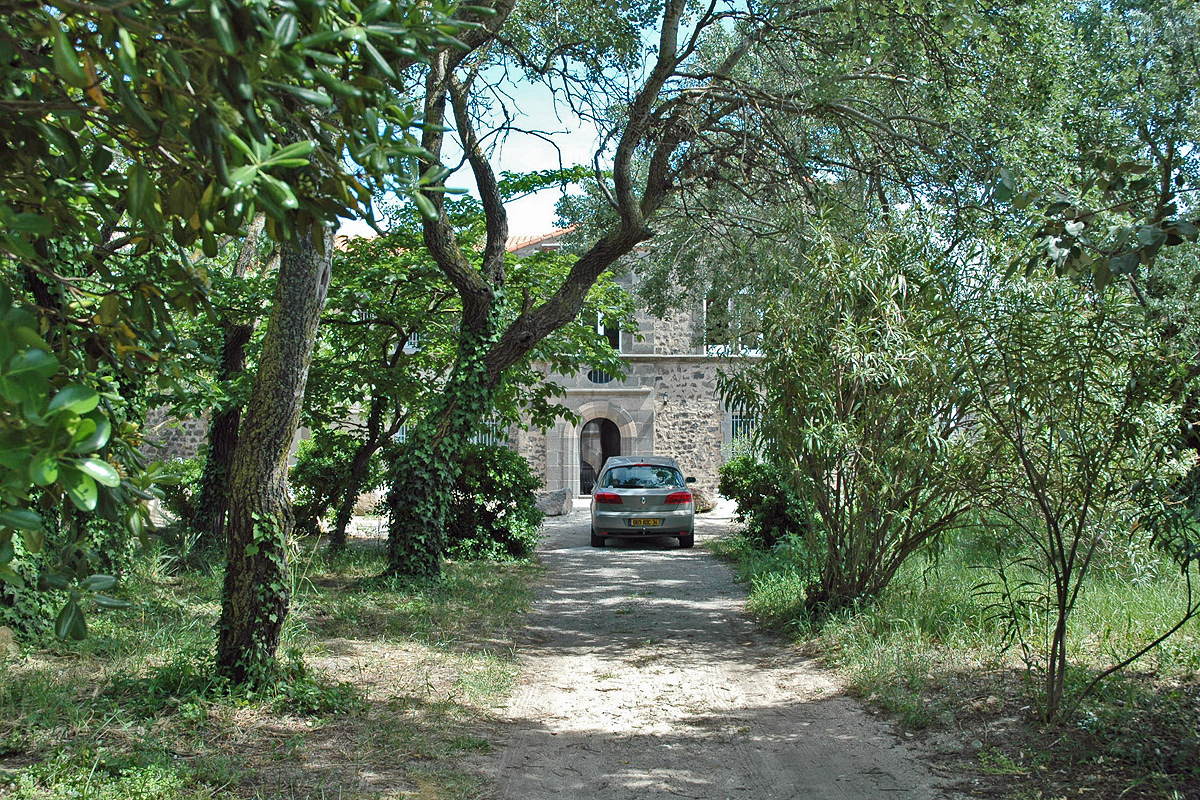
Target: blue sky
[559,142]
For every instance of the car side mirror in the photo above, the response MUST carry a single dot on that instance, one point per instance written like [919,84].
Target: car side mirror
[689,480]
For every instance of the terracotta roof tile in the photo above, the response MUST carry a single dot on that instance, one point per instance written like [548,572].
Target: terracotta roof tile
[516,243]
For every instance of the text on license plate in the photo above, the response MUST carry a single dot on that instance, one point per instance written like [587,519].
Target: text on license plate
[645,523]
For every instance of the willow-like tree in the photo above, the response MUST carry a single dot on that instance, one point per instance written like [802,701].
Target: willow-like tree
[649,116]
[389,335]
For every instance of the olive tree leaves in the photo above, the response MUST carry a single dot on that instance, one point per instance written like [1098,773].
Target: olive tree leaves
[137,137]
[1109,226]
[190,117]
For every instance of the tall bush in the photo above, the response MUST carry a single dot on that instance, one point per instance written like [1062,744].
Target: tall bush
[767,501]
[1070,395]
[493,512]
[321,475]
[857,393]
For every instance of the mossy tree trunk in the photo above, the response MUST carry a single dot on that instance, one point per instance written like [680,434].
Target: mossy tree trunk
[213,502]
[428,467]
[255,598]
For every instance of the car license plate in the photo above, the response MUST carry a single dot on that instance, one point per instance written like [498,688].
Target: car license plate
[645,523]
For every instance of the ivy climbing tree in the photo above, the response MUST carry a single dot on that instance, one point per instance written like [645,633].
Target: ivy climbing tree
[683,98]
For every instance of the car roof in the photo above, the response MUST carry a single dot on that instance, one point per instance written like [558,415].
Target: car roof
[625,461]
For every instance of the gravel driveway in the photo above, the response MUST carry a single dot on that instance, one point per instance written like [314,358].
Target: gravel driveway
[642,677]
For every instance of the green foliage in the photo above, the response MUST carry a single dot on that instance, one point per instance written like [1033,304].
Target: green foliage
[139,134]
[387,333]
[1071,392]
[49,431]
[518,184]
[393,337]
[320,475]
[766,498]
[181,545]
[181,489]
[297,689]
[55,486]
[103,775]
[857,393]
[428,465]
[926,650]
[493,510]
[23,606]
[175,115]
[1076,240]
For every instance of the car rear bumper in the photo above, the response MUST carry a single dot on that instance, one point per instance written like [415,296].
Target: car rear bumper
[671,523]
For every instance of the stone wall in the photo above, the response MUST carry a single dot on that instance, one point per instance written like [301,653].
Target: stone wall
[688,419]
[675,335]
[667,405]
[165,436]
[532,445]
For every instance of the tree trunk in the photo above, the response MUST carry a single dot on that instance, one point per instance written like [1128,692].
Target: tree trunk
[1056,665]
[358,470]
[255,599]
[213,502]
[428,467]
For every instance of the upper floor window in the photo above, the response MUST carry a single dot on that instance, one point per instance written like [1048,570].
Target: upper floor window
[611,333]
[413,343]
[493,431]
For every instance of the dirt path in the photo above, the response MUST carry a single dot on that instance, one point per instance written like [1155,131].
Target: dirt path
[642,678]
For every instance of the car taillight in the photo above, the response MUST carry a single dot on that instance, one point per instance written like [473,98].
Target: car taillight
[679,497]
[608,497]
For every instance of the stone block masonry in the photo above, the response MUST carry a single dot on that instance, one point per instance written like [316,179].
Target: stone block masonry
[165,436]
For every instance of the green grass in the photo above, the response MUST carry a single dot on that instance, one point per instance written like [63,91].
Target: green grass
[929,651]
[472,599]
[397,679]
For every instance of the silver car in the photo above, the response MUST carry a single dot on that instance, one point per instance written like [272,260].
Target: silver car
[642,496]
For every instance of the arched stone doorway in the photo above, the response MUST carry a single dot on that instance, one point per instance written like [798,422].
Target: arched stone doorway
[563,456]
[599,439]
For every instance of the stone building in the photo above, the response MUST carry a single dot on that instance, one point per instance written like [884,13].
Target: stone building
[667,404]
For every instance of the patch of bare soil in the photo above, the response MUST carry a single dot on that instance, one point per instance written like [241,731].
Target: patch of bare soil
[642,677]
[410,711]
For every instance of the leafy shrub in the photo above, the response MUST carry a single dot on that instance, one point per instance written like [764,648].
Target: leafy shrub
[23,607]
[766,499]
[32,598]
[319,478]
[181,546]
[103,774]
[300,690]
[189,682]
[181,486]
[493,512]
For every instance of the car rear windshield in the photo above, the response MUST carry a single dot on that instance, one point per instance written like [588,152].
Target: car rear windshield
[642,476]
